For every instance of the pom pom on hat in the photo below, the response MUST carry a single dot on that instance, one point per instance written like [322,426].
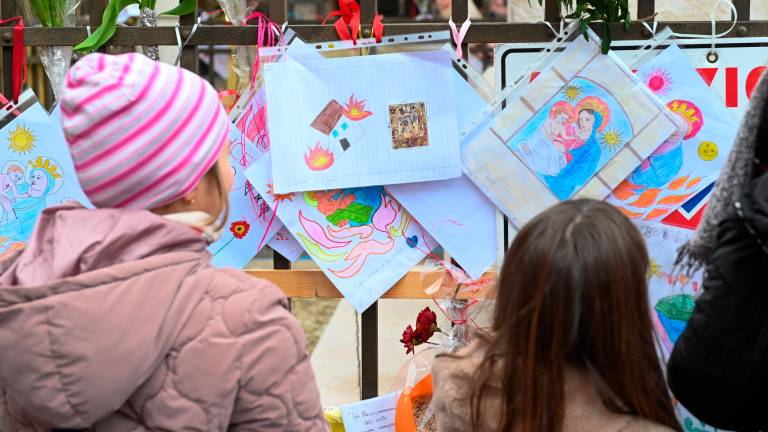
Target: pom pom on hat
[142,134]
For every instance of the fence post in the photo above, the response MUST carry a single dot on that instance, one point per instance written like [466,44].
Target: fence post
[8,9]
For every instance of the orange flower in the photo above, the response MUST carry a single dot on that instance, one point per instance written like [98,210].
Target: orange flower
[239,229]
[355,109]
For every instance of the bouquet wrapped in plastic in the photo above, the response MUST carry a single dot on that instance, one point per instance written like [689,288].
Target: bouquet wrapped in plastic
[52,13]
[456,297]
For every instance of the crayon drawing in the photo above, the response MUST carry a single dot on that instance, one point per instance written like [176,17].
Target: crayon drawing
[577,131]
[345,133]
[572,136]
[37,172]
[454,211]
[251,223]
[671,296]
[689,160]
[361,238]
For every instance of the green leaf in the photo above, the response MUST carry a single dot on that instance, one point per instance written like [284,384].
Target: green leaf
[605,11]
[186,7]
[606,45]
[355,212]
[107,28]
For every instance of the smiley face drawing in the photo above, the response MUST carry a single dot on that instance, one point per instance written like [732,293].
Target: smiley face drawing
[707,150]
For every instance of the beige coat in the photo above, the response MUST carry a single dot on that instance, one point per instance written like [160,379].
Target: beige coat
[584,411]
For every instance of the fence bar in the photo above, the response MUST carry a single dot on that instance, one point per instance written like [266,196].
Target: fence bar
[278,10]
[369,352]
[368,10]
[492,32]
[743,9]
[645,8]
[189,58]
[8,9]
[551,11]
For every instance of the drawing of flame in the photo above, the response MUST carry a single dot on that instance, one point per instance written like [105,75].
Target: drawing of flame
[318,158]
[654,203]
[355,109]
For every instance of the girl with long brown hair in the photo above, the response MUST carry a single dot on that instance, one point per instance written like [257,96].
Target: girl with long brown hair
[571,346]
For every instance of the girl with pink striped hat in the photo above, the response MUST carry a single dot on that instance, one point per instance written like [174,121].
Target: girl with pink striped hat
[111,318]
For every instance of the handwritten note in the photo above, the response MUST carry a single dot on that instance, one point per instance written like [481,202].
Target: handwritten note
[371,415]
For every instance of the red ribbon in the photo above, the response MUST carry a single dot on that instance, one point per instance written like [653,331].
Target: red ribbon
[348,24]
[19,67]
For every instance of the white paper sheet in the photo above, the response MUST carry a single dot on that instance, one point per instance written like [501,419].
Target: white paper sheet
[455,212]
[362,121]
[371,415]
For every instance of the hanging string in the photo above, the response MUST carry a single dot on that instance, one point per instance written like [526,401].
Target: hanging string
[19,63]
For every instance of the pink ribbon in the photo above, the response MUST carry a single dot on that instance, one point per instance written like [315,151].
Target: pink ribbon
[267,31]
[458,35]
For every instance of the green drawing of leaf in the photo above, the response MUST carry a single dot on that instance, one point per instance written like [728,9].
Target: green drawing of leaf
[677,307]
[186,7]
[355,212]
[107,28]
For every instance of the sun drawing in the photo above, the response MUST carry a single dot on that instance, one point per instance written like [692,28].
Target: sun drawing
[612,139]
[21,140]
[658,81]
[572,92]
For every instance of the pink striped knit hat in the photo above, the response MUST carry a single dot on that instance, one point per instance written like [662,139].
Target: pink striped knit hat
[142,134]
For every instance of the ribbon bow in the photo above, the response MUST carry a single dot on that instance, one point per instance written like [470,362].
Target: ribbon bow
[349,16]
[19,66]
[458,35]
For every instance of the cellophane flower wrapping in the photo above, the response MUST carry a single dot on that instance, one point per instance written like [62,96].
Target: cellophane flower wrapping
[413,412]
[244,56]
[456,301]
[52,13]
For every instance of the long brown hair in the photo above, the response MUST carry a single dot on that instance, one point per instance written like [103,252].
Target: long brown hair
[573,292]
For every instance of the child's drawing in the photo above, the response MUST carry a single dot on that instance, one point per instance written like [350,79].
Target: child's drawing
[671,295]
[21,140]
[572,136]
[345,133]
[36,172]
[689,160]
[340,125]
[318,158]
[251,222]
[577,131]
[408,124]
[361,238]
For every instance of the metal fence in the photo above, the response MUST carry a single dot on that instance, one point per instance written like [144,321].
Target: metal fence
[310,284]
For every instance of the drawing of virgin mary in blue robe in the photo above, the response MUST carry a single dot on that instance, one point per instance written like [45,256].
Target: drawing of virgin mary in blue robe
[585,157]
[30,205]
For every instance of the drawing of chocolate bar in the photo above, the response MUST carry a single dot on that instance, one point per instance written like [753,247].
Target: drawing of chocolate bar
[328,117]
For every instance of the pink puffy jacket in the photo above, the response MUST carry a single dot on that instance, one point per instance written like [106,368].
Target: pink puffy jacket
[113,320]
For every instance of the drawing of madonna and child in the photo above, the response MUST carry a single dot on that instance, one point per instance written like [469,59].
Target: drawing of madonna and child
[23,196]
[572,137]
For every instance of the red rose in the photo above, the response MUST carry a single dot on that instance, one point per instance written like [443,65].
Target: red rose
[426,325]
[407,340]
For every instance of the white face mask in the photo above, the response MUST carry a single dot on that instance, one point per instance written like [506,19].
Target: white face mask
[201,221]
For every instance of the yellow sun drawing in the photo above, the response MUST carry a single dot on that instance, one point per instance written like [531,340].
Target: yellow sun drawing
[21,140]
[572,92]
[612,139]
[654,269]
